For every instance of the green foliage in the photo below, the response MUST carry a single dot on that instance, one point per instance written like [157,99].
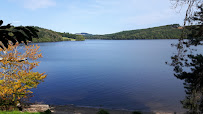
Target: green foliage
[102,111]
[68,35]
[46,35]
[73,37]
[16,34]
[16,75]
[80,38]
[186,59]
[68,39]
[34,34]
[162,32]
[26,33]
[18,112]
[193,84]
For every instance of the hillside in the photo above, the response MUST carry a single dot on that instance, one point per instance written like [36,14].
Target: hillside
[161,32]
[75,37]
[46,35]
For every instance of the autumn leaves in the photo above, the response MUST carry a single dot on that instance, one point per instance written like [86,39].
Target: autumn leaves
[16,75]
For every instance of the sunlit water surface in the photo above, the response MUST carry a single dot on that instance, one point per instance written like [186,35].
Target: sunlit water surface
[116,74]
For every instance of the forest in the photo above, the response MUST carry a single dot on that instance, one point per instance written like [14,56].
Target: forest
[162,32]
[46,35]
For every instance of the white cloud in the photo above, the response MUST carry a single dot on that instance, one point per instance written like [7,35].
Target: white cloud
[36,4]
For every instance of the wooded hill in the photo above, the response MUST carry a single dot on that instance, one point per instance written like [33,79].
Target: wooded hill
[46,35]
[162,32]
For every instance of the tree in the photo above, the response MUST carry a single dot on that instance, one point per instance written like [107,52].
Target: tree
[193,78]
[193,83]
[80,38]
[102,111]
[16,76]
[16,65]
[16,34]
[194,38]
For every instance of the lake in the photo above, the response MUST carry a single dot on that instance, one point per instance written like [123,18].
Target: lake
[116,74]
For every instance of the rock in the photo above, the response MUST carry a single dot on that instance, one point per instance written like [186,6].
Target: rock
[36,108]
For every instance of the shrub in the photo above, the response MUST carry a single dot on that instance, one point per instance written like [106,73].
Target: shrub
[102,111]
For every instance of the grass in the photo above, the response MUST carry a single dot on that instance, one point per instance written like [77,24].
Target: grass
[68,39]
[17,112]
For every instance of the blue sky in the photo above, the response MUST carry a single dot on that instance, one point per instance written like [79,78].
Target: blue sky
[92,16]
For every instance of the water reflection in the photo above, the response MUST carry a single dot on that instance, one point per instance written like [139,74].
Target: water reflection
[128,74]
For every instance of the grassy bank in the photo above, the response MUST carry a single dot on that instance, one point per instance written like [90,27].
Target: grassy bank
[68,39]
[18,112]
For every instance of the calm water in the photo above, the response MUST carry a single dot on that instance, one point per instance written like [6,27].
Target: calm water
[118,74]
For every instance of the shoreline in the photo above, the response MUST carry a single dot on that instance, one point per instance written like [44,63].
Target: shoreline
[73,109]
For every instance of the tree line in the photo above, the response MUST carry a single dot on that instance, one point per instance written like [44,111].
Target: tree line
[72,36]
[46,35]
[162,32]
